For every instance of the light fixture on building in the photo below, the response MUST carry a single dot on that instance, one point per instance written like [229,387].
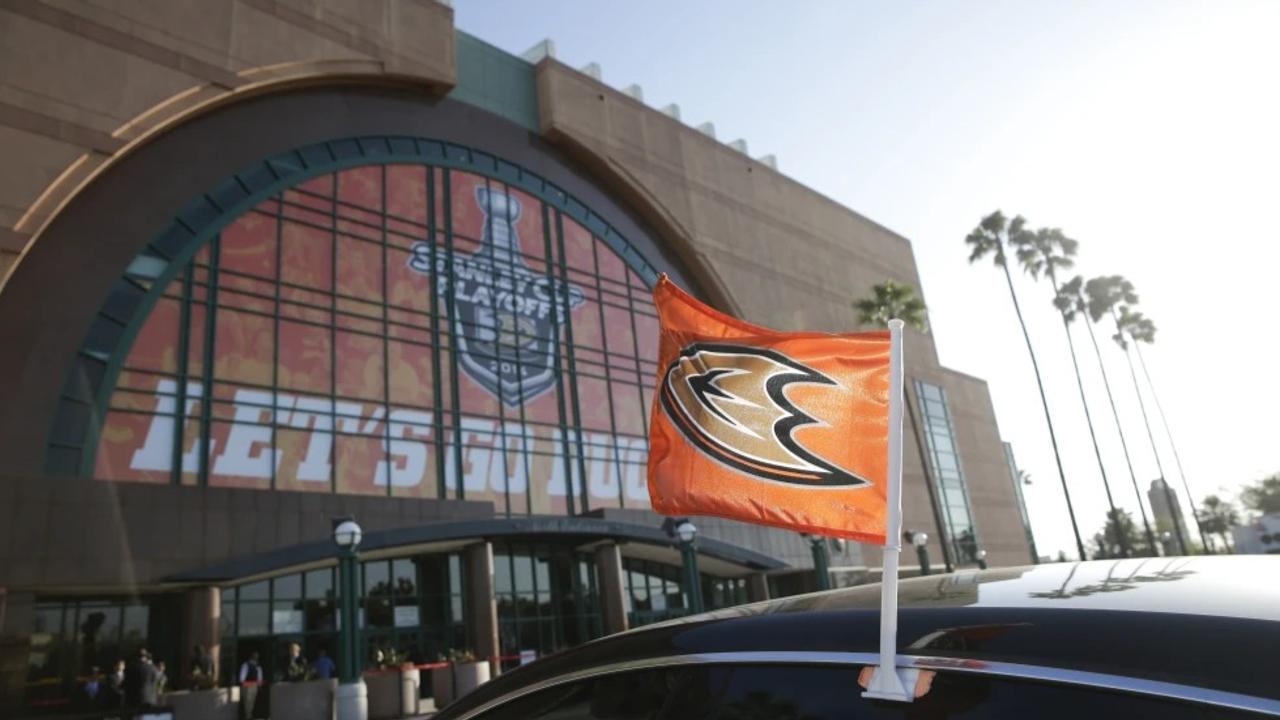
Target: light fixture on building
[351,698]
[686,531]
[347,535]
[982,559]
[921,542]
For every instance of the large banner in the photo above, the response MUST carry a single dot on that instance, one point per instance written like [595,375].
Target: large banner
[389,330]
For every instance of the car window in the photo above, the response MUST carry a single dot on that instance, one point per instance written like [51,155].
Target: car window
[810,692]
[678,693]
[832,693]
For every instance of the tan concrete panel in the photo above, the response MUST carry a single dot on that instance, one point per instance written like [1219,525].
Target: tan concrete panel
[259,38]
[44,60]
[198,28]
[31,162]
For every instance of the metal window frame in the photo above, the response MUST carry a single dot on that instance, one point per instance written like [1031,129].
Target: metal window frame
[200,224]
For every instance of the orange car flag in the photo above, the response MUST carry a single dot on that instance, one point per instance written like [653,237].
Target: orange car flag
[783,429]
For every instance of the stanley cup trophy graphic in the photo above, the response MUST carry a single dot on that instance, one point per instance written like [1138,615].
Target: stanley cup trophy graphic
[507,316]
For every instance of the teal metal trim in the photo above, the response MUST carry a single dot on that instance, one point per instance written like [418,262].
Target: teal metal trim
[110,337]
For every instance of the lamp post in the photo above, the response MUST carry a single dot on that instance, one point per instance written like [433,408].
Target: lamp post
[921,541]
[686,534]
[821,568]
[982,559]
[352,702]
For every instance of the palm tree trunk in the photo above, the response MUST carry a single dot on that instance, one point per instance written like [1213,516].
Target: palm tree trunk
[1044,401]
[1084,402]
[1146,421]
[1111,398]
[1177,460]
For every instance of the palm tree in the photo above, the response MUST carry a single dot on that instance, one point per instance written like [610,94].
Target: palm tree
[1219,516]
[1072,294]
[1132,326]
[989,238]
[891,300]
[1045,252]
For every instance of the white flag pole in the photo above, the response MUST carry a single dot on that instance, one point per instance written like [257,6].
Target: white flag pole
[888,682]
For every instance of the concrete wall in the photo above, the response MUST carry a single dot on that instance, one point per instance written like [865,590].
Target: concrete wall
[82,79]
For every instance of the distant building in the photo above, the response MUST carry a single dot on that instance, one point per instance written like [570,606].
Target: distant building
[1165,506]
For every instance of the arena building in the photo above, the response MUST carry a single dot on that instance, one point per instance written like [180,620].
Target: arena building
[267,263]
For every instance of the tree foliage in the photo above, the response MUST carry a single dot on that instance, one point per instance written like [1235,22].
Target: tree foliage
[992,234]
[1263,496]
[1044,252]
[1217,517]
[1119,532]
[890,300]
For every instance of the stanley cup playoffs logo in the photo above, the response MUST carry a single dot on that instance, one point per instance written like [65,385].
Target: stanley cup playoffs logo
[506,315]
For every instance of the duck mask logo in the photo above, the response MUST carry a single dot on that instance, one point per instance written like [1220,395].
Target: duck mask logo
[507,317]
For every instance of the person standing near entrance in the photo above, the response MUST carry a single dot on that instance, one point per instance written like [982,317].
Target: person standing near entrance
[323,666]
[201,668]
[250,678]
[295,668]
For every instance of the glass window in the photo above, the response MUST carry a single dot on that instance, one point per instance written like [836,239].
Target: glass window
[948,475]
[669,694]
[254,618]
[377,578]
[254,591]
[406,577]
[343,299]
[320,584]
[288,587]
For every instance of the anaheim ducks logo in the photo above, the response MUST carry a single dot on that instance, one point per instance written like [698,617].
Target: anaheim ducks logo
[730,402]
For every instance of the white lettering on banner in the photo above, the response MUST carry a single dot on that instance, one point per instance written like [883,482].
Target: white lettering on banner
[602,473]
[519,443]
[156,452]
[315,414]
[248,452]
[635,482]
[497,457]
[408,456]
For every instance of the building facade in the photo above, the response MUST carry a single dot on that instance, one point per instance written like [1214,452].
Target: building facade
[267,264]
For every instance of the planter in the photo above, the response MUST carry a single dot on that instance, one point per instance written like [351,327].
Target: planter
[383,694]
[469,676]
[410,687]
[215,704]
[442,686]
[311,700]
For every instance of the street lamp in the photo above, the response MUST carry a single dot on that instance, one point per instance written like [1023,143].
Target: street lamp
[1166,542]
[982,559]
[352,698]
[921,541]
[685,534]
[821,568]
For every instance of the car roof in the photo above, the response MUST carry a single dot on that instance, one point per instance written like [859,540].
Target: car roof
[1204,621]
[1244,586]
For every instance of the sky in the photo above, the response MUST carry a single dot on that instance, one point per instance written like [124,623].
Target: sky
[1148,131]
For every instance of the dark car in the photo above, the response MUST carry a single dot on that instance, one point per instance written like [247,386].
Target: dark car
[1146,638]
